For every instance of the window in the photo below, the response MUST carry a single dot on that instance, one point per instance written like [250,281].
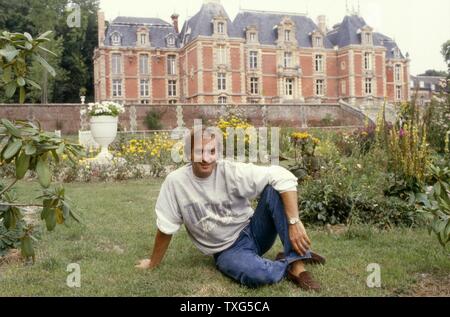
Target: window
[222,54]
[220,27]
[171,65]
[172,88]
[367,38]
[411,83]
[319,87]
[116,64]
[368,86]
[319,63]
[145,101]
[252,37]
[287,35]
[422,84]
[343,87]
[222,100]
[144,88]
[254,89]
[398,71]
[396,53]
[143,64]
[253,59]
[289,86]
[368,61]
[318,41]
[143,38]
[171,41]
[221,81]
[287,59]
[433,87]
[115,39]
[172,102]
[398,92]
[117,88]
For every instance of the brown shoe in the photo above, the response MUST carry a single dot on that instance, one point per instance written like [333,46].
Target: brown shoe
[304,280]
[315,258]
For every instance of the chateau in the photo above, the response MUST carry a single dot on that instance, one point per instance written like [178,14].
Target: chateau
[259,57]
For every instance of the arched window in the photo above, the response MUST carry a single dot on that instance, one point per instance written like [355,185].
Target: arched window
[116,39]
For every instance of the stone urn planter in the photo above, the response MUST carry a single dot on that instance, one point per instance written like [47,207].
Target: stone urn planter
[104,131]
[104,118]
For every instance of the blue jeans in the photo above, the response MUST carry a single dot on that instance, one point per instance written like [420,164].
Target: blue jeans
[243,261]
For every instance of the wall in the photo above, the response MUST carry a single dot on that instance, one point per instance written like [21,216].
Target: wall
[66,117]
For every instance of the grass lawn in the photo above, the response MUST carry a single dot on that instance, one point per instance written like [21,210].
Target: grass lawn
[120,226]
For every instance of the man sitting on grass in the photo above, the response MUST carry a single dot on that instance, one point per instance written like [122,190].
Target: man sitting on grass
[211,198]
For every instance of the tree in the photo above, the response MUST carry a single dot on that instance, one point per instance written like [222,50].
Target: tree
[446,54]
[433,72]
[26,146]
[74,46]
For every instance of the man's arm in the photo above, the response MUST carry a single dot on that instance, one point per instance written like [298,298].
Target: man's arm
[297,233]
[160,247]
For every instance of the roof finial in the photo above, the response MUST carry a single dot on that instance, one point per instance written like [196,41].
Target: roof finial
[346,6]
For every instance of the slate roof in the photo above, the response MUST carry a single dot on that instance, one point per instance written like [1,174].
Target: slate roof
[266,23]
[141,21]
[127,28]
[428,82]
[343,34]
[346,33]
[201,23]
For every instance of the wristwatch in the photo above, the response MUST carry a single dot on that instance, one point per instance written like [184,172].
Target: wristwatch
[293,221]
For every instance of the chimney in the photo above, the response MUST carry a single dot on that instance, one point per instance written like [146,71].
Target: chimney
[101,28]
[174,18]
[322,24]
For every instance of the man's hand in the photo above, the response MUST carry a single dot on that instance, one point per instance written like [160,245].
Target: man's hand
[145,264]
[299,239]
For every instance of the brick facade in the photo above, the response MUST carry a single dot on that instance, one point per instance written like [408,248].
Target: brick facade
[215,66]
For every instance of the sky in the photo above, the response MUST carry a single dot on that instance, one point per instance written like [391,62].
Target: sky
[419,27]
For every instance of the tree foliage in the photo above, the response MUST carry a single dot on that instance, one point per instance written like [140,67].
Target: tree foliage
[74,46]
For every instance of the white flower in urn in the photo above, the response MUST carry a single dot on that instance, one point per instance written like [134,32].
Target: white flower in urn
[106,108]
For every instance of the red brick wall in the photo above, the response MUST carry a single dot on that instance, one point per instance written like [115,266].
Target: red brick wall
[67,117]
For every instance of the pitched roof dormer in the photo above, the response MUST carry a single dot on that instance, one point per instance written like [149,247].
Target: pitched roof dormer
[286,32]
[366,34]
[143,38]
[316,39]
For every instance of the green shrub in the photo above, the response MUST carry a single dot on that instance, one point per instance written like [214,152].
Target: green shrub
[153,120]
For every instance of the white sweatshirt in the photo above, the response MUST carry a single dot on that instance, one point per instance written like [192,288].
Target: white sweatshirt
[216,209]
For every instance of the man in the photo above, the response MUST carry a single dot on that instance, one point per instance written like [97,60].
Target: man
[211,198]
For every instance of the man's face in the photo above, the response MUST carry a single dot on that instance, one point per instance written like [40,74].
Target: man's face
[204,157]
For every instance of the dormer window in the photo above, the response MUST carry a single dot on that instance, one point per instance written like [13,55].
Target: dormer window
[287,35]
[251,34]
[366,35]
[116,39]
[143,39]
[286,32]
[396,52]
[220,27]
[316,38]
[318,41]
[170,40]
